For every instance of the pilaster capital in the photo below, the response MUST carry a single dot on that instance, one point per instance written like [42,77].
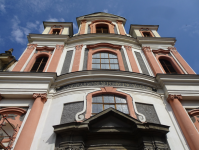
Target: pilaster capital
[31,46]
[129,48]
[146,49]
[42,95]
[78,47]
[83,21]
[172,97]
[172,49]
[119,22]
[59,47]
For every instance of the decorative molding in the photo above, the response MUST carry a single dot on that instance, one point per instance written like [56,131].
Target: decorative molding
[102,21]
[12,110]
[105,45]
[59,47]
[79,47]
[106,83]
[45,48]
[161,51]
[146,49]
[129,48]
[42,95]
[83,21]
[172,97]
[31,46]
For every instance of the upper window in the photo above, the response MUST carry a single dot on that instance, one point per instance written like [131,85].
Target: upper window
[56,31]
[102,102]
[39,64]
[147,34]
[168,68]
[102,28]
[105,61]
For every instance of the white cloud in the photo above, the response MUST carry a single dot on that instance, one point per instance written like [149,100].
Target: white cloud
[75,26]
[191,28]
[18,33]
[31,25]
[41,28]
[105,10]
[2,6]
[62,20]
[55,19]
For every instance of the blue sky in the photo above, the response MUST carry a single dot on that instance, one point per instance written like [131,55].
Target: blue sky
[176,18]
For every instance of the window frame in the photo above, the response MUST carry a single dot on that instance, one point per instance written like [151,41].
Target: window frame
[115,103]
[42,56]
[109,60]
[109,91]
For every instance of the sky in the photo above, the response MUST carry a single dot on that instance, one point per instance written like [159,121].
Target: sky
[176,18]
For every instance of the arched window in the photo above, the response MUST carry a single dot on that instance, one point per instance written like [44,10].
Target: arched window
[105,61]
[168,68]
[102,102]
[102,28]
[39,64]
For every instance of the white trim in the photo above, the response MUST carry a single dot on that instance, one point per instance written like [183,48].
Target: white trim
[81,63]
[50,59]
[123,28]
[140,70]
[84,109]
[61,62]
[72,60]
[127,59]
[116,27]
[157,62]
[147,64]
[29,58]
[79,28]
[178,63]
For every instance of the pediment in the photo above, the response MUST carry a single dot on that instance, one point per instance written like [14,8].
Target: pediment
[112,118]
[101,14]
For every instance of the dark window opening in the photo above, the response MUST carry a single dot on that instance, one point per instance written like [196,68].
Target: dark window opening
[102,102]
[102,28]
[168,68]
[56,31]
[105,61]
[39,64]
[146,34]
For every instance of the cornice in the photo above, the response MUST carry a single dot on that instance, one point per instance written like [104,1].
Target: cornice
[47,37]
[103,36]
[105,75]
[156,40]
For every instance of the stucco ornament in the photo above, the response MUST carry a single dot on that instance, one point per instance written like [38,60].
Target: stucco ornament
[42,95]
[172,97]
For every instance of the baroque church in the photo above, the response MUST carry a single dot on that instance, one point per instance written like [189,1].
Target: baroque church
[99,89]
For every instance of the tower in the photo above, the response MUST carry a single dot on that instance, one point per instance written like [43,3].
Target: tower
[99,89]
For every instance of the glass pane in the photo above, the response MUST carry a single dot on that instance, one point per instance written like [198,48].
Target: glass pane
[96,66]
[113,106]
[104,55]
[103,66]
[96,108]
[119,107]
[112,56]
[115,61]
[112,66]
[117,99]
[107,66]
[96,55]
[96,60]
[123,100]
[125,109]
[97,99]
[106,99]
[104,61]
[106,107]
[116,66]
[111,99]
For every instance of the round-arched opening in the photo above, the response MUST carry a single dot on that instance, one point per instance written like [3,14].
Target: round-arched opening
[104,101]
[102,28]
[105,60]
[39,64]
[168,68]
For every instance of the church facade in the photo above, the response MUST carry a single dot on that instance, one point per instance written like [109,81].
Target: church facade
[99,89]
